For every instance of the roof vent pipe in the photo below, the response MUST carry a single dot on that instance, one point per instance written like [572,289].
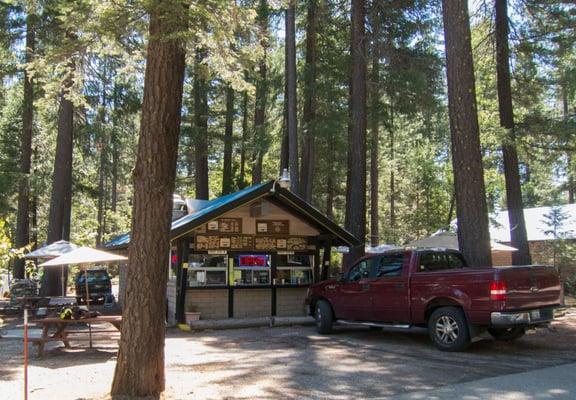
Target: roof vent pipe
[284,180]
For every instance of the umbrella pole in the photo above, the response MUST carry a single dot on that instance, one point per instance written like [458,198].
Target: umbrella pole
[88,303]
[63,283]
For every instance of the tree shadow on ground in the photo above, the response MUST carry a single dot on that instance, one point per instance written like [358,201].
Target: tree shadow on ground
[296,362]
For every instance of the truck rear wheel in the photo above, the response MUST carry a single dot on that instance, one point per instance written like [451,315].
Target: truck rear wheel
[324,317]
[506,334]
[448,329]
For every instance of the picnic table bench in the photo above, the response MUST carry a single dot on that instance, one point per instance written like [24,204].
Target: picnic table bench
[65,327]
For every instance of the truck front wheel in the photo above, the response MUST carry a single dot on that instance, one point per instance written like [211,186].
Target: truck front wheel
[324,317]
[448,329]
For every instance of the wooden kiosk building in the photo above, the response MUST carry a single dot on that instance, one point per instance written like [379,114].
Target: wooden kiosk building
[248,254]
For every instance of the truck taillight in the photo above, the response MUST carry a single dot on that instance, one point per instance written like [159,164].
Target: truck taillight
[498,290]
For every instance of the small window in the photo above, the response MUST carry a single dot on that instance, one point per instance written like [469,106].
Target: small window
[430,262]
[359,271]
[390,265]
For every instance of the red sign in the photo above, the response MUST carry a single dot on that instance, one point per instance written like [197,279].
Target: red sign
[253,261]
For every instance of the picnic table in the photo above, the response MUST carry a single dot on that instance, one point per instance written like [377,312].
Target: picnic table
[65,330]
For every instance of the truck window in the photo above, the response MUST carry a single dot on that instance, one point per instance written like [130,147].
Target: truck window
[390,265]
[430,262]
[359,271]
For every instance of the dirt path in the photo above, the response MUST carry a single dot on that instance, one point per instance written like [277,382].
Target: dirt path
[287,363]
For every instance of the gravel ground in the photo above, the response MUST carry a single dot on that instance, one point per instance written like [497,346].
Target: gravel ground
[292,363]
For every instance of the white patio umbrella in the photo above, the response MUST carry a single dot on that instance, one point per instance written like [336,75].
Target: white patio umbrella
[53,250]
[84,256]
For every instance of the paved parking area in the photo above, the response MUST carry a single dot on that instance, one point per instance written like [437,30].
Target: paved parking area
[297,363]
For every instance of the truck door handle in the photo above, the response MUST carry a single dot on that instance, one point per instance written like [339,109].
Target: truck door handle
[399,286]
[365,286]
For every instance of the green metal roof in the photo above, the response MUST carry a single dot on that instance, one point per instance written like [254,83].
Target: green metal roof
[270,191]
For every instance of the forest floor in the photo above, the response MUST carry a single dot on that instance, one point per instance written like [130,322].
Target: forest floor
[287,362]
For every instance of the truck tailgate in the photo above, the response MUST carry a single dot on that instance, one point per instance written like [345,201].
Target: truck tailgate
[530,286]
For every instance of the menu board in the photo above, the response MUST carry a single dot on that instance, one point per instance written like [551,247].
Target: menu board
[241,242]
[264,243]
[249,242]
[275,227]
[296,243]
[230,225]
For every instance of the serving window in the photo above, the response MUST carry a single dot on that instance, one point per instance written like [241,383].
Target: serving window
[251,269]
[207,270]
[294,269]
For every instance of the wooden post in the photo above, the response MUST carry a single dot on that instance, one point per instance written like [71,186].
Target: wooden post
[182,278]
[25,354]
[273,264]
[326,259]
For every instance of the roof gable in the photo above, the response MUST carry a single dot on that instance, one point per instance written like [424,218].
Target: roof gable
[269,190]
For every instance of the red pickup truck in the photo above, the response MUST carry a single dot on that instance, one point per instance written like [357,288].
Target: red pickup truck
[434,288]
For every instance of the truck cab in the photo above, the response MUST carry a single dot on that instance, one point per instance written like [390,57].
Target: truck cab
[435,288]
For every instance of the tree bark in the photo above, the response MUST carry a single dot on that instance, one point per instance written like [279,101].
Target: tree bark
[309,111]
[284,145]
[23,217]
[374,170]
[518,235]
[61,199]
[201,125]
[140,367]
[471,211]
[261,93]
[292,120]
[356,206]
[242,177]
[103,147]
[228,131]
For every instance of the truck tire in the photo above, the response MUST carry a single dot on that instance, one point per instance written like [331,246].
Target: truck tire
[507,334]
[324,317]
[448,329]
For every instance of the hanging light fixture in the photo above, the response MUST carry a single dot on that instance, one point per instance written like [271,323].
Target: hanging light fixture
[284,180]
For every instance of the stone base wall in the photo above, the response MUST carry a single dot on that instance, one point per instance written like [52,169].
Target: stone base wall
[252,303]
[290,302]
[210,303]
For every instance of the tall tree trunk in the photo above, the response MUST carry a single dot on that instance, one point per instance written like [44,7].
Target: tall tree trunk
[101,191]
[569,167]
[392,182]
[261,94]
[228,131]
[356,206]
[114,172]
[374,170]
[292,120]
[284,145]
[242,177]
[471,211]
[115,156]
[518,235]
[201,125]
[140,367]
[103,147]
[23,217]
[309,111]
[61,199]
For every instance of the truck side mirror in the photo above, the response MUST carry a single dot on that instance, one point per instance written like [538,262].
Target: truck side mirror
[341,277]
